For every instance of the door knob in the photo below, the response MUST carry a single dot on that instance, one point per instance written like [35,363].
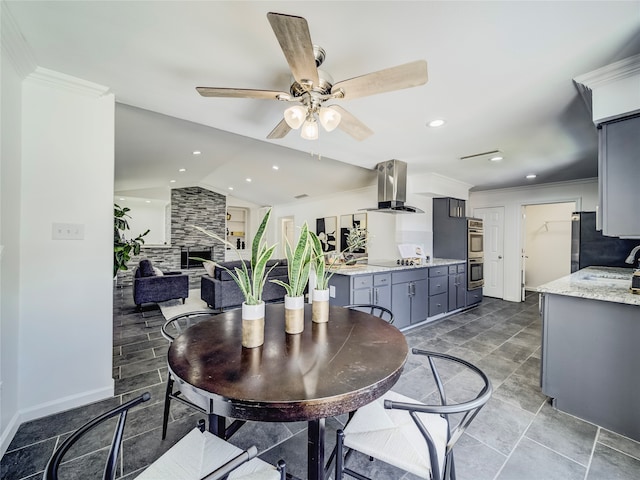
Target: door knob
[499,257]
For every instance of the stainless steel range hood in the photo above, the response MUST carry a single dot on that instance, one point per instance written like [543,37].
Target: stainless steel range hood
[392,188]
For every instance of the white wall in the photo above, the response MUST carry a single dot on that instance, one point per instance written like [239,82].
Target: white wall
[65,286]
[55,296]
[10,135]
[146,216]
[385,230]
[547,243]
[583,192]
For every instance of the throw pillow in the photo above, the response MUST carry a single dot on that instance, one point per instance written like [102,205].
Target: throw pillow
[157,272]
[210,267]
[146,268]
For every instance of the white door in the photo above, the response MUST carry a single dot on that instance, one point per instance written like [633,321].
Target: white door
[493,220]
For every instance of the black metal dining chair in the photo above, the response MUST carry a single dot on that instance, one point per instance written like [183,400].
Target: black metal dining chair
[408,434]
[377,310]
[197,451]
[186,394]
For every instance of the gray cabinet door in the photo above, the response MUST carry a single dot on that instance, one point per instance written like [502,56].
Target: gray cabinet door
[420,301]
[619,171]
[362,295]
[401,304]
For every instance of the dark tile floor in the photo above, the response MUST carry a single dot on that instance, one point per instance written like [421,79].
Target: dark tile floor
[517,436]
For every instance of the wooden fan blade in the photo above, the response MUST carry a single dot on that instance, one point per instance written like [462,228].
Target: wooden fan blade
[395,78]
[280,131]
[240,93]
[351,125]
[295,41]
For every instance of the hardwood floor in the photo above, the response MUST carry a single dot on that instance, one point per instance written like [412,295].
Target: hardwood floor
[517,436]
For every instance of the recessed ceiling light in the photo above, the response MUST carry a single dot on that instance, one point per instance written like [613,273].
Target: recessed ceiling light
[197,152]
[531,175]
[121,198]
[275,167]
[496,158]
[436,123]
[248,179]
[172,181]
[148,201]
[182,170]
[230,188]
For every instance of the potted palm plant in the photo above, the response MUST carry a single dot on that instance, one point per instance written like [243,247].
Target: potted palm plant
[251,282]
[298,266]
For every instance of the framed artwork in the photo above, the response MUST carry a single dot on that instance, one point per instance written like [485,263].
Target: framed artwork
[347,222]
[327,231]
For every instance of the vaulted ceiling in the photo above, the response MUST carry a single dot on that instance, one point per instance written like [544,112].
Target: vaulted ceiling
[500,75]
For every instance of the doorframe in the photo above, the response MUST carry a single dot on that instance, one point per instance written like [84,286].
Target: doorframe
[522,228]
[284,222]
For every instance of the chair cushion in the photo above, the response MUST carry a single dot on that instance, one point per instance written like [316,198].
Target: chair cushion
[146,268]
[392,436]
[199,453]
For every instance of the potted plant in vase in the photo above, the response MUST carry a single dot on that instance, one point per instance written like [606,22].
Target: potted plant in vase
[251,282]
[298,266]
[320,294]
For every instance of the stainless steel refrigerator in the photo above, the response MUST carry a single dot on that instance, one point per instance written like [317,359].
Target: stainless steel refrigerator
[590,248]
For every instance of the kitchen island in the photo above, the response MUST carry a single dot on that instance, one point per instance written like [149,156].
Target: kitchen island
[590,347]
[414,293]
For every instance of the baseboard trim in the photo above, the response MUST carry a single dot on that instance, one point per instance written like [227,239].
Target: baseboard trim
[49,408]
[9,433]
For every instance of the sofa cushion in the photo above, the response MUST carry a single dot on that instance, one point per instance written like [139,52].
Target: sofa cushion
[146,268]
[210,267]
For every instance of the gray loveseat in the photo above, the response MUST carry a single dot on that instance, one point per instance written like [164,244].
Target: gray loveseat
[221,292]
[150,285]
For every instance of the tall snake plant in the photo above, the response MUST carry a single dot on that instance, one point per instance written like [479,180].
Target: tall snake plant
[298,264]
[251,282]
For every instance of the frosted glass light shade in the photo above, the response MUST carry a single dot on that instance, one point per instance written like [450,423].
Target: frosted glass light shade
[329,118]
[294,116]
[309,129]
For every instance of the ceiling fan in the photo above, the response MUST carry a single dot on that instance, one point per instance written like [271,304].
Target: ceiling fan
[313,87]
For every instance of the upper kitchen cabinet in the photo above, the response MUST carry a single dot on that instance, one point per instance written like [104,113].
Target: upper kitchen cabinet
[612,95]
[457,207]
[619,176]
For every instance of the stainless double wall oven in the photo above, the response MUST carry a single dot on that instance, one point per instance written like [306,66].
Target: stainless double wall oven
[475,253]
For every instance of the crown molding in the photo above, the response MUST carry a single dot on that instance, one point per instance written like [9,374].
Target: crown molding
[624,68]
[14,45]
[51,78]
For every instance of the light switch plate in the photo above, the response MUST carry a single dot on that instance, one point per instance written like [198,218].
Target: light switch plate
[68,231]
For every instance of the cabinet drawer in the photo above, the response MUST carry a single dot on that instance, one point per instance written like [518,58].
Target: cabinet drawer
[362,281]
[438,271]
[437,304]
[474,296]
[382,279]
[461,268]
[409,275]
[438,285]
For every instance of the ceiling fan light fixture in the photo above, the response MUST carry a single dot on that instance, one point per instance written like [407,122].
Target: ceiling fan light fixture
[309,129]
[329,118]
[295,116]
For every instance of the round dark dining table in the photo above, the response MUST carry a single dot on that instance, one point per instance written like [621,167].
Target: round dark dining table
[329,369]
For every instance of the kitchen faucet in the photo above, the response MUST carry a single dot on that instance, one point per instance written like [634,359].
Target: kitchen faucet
[632,256]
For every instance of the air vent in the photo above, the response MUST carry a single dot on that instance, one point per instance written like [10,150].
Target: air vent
[482,156]
[298,197]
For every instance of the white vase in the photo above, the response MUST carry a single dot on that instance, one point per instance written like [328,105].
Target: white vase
[252,325]
[320,306]
[293,314]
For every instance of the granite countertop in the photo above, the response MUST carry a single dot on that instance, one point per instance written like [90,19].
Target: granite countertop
[609,284]
[371,267]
